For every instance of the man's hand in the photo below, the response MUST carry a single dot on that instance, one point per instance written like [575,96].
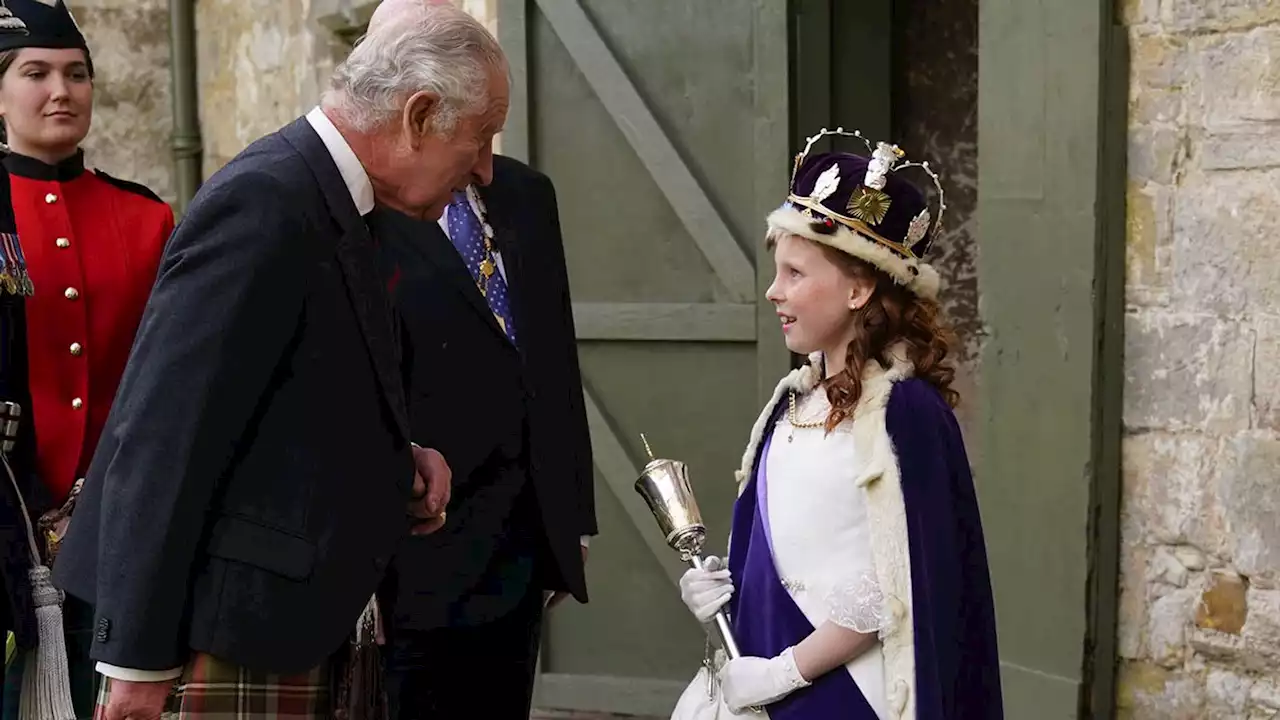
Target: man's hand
[432,487]
[136,700]
[554,599]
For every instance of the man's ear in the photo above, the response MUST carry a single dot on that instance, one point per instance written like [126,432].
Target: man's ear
[419,112]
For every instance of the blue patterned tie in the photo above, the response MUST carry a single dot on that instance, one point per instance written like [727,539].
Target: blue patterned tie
[467,236]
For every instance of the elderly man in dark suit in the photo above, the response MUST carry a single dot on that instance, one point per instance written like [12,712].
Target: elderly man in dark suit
[484,292]
[485,297]
[252,482]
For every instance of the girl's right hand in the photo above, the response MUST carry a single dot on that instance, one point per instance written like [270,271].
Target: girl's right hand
[706,590]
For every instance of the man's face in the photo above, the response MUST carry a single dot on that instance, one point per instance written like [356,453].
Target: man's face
[430,167]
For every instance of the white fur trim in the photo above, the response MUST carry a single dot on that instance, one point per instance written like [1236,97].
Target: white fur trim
[881,479]
[891,555]
[923,282]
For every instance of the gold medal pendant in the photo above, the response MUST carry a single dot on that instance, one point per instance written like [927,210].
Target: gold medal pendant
[487,268]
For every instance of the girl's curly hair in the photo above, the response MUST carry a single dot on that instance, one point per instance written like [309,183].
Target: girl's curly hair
[893,315]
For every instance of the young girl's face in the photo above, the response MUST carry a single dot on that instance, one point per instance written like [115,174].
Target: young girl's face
[815,298]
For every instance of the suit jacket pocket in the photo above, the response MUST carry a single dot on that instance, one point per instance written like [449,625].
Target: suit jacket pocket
[276,551]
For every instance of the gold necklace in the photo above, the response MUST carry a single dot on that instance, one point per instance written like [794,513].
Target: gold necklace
[794,422]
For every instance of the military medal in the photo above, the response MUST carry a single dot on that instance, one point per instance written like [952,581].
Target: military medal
[13,270]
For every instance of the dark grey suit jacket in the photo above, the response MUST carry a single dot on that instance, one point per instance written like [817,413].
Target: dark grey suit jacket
[510,420]
[251,482]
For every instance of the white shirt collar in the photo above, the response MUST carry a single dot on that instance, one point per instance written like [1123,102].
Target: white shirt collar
[344,157]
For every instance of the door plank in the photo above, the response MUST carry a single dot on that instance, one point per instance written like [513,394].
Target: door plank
[651,144]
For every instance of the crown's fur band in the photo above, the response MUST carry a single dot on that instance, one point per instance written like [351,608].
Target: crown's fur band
[923,282]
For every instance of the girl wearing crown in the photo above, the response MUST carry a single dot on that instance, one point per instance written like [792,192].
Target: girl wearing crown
[857,581]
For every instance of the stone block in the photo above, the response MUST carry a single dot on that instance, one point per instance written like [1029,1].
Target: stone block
[1168,489]
[1167,629]
[1236,78]
[1249,493]
[1155,153]
[1227,692]
[1139,12]
[1227,241]
[1240,150]
[1236,651]
[1148,243]
[1186,372]
[1165,568]
[1191,557]
[1157,61]
[1264,695]
[1218,14]
[1156,105]
[1132,618]
[1150,692]
[1266,371]
[1262,629]
[1222,606]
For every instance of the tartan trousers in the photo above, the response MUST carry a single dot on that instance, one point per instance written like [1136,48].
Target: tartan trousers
[212,689]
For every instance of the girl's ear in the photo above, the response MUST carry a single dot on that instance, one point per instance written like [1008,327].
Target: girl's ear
[863,288]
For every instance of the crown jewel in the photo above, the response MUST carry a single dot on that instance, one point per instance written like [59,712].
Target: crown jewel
[869,203]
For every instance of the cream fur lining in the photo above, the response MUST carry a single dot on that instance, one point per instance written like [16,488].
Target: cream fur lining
[886,510]
[924,284]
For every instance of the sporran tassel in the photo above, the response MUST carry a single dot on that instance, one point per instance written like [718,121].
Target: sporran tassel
[46,684]
[46,681]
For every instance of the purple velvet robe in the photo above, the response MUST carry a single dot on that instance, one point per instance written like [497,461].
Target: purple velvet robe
[956,661]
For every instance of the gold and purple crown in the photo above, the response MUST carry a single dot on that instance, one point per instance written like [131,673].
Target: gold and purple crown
[866,207]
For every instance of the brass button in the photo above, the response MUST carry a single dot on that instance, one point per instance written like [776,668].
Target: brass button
[72,293]
[77,403]
[63,243]
[76,349]
[51,198]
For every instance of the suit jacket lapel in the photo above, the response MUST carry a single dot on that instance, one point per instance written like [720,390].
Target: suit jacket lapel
[356,257]
[429,241]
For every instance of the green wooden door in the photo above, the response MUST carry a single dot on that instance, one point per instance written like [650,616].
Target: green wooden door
[664,125]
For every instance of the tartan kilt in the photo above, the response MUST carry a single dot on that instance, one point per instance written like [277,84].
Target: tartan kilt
[213,689]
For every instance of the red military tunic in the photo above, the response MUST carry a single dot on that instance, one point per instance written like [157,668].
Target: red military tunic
[92,245]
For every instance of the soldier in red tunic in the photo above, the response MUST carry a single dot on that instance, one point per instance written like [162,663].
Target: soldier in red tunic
[80,251]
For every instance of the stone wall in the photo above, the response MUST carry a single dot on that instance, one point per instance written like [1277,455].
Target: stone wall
[132,122]
[1200,600]
[263,63]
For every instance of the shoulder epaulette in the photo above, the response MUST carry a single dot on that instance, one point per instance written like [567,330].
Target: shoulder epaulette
[133,187]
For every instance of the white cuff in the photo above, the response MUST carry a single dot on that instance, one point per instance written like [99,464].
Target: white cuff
[791,678]
[585,540]
[131,675]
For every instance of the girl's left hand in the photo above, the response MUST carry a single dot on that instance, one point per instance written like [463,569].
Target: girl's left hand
[755,682]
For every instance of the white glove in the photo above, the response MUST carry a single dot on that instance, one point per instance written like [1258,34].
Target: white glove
[706,591]
[754,682]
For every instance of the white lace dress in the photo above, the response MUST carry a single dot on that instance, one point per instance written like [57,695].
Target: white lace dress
[821,535]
